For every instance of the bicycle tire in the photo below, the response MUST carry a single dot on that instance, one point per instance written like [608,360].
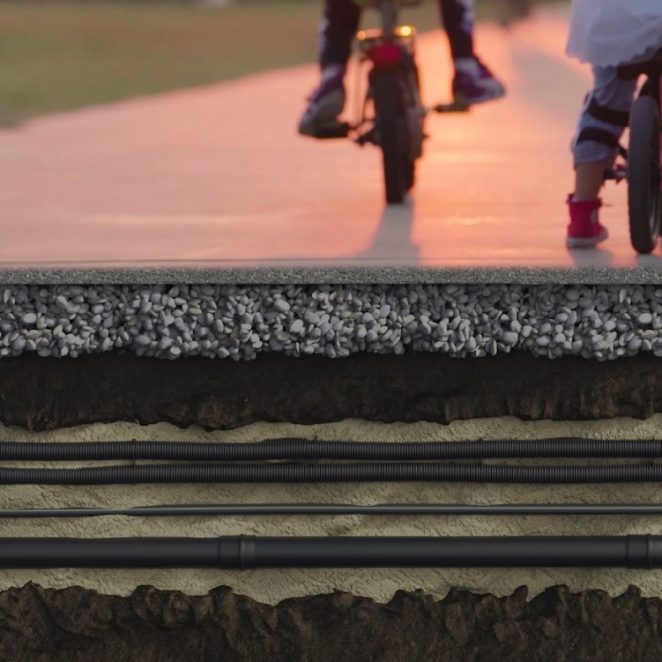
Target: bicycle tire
[410,175]
[387,101]
[415,132]
[644,200]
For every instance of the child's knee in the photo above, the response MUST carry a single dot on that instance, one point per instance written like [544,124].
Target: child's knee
[599,132]
[604,117]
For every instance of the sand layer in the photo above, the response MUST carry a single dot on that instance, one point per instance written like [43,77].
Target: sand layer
[272,586]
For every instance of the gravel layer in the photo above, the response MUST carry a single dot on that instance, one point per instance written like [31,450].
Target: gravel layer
[240,322]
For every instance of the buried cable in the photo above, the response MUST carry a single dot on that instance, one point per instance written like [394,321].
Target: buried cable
[295,509]
[247,552]
[332,473]
[303,449]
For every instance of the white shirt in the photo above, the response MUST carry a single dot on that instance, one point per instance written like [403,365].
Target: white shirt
[613,32]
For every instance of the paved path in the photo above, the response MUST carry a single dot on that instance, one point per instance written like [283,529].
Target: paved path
[214,184]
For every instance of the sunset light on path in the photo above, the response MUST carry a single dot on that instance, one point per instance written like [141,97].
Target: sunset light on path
[218,175]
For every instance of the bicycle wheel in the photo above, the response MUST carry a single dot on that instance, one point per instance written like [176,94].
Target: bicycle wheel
[391,132]
[414,114]
[644,175]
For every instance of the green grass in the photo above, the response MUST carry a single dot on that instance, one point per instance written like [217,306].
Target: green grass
[62,54]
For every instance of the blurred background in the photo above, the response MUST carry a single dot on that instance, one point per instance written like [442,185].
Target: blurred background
[60,55]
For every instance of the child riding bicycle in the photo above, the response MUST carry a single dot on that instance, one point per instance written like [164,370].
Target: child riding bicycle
[605,34]
[473,82]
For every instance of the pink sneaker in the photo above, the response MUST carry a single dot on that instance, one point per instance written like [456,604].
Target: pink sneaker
[584,229]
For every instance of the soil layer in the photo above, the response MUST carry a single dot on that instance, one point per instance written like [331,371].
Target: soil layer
[75,625]
[48,393]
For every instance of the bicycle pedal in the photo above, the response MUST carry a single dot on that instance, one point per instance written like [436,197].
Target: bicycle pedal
[616,174]
[367,137]
[332,131]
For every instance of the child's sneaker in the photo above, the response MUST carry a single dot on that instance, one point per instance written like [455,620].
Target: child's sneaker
[475,83]
[584,229]
[325,103]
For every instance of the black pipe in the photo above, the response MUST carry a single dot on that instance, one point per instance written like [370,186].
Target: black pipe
[296,509]
[244,552]
[332,473]
[302,449]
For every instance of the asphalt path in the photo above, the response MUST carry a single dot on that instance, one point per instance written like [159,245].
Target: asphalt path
[215,181]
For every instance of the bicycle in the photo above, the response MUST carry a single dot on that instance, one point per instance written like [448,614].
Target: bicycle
[391,115]
[642,167]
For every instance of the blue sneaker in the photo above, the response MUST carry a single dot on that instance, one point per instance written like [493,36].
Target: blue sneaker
[325,104]
[475,83]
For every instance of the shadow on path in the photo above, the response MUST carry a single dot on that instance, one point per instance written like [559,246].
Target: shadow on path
[394,235]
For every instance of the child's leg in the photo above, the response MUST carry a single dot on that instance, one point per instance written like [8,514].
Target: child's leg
[473,81]
[458,19]
[595,146]
[340,21]
[602,123]
[339,24]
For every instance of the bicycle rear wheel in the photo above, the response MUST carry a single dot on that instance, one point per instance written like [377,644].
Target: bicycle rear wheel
[391,132]
[415,115]
[644,195]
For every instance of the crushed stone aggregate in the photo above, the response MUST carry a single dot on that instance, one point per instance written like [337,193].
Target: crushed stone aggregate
[239,322]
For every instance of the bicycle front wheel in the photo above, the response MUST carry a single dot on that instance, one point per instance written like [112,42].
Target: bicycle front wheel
[644,200]
[391,132]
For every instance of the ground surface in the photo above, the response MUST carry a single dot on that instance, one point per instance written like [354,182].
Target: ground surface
[216,177]
[77,625]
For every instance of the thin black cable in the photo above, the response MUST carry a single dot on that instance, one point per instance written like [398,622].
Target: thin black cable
[331,473]
[309,509]
[302,449]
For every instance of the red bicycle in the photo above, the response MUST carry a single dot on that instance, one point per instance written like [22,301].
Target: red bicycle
[390,114]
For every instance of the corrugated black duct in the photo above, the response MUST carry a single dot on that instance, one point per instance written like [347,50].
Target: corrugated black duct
[303,449]
[332,473]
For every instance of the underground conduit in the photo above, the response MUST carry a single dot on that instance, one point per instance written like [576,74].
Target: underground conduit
[246,552]
[294,509]
[302,449]
[332,473]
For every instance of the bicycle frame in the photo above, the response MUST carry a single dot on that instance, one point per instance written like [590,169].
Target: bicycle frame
[389,112]
[388,10]
[386,46]
[652,87]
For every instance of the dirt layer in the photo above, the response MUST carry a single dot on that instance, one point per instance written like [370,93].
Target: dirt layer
[76,625]
[48,393]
